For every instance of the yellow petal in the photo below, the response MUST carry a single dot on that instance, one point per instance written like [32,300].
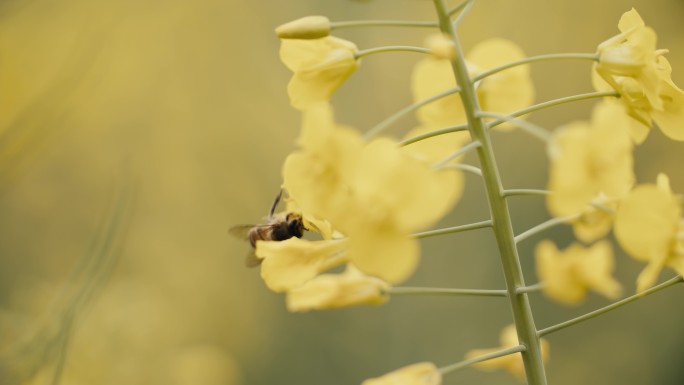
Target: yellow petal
[646,222]
[430,77]
[384,252]
[437,148]
[289,264]
[424,373]
[329,291]
[320,66]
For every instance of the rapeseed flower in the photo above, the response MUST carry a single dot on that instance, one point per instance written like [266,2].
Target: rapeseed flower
[567,275]
[590,158]
[504,92]
[630,64]
[374,193]
[329,291]
[320,67]
[649,227]
[512,363]
[423,373]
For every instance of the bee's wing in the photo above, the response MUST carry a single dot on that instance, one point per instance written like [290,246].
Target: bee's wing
[251,260]
[240,231]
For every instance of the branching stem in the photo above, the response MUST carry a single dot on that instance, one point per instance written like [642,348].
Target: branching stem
[455,229]
[445,291]
[460,365]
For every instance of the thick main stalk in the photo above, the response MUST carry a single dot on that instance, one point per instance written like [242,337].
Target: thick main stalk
[501,219]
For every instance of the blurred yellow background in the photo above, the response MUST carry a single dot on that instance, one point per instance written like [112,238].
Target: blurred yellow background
[184,103]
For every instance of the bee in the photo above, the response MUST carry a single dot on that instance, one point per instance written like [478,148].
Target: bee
[276,228]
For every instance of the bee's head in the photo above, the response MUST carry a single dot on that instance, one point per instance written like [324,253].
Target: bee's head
[295,225]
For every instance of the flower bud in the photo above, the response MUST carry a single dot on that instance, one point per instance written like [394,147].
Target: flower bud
[441,46]
[309,27]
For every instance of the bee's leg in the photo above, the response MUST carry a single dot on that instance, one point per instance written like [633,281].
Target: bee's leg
[275,203]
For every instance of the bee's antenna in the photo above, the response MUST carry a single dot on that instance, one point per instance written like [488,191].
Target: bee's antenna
[275,202]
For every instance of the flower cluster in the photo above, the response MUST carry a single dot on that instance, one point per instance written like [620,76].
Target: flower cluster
[367,195]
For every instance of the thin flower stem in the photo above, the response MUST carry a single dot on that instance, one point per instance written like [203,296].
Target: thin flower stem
[532,59]
[475,144]
[557,102]
[427,135]
[455,229]
[530,289]
[407,110]
[457,8]
[513,192]
[465,167]
[531,128]
[545,226]
[468,4]
[390,48]
[445,291]
[381,23]
[498,207]
[610,307]
[465,363]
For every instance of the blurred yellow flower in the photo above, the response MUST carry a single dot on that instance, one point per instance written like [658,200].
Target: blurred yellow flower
[291,263]
[374,193]
[440,46]
[649,227]
[329,291]
[309,27]
[596,220]
[423,373]
[568,275]
[503,92]
[630,64]
[320,67]
[590,158]
[512,363]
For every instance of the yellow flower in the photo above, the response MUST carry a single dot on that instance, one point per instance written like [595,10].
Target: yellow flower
[630,64]
[309,27]
[568,275]
[596,219]
[394,195]
[512,363]
[291,263]
[374,193]
[503,92]
[329,291]
[320,67]
[649,227]
[590,158]
[423,373]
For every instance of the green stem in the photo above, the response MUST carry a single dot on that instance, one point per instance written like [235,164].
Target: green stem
[610,307]
[427,135]
[513,192]
[407,110]
[557,102]
[463,150]
[532,59]
[531,288]
[455,229]
[529,127]
[467,5]
[381,23]
[457,8]
[445,291]
[502,224]
[545,226]
[500,353]
[465,167]
[390,48]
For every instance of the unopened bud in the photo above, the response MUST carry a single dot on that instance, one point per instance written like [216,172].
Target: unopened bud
[309,27]
[440,46]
